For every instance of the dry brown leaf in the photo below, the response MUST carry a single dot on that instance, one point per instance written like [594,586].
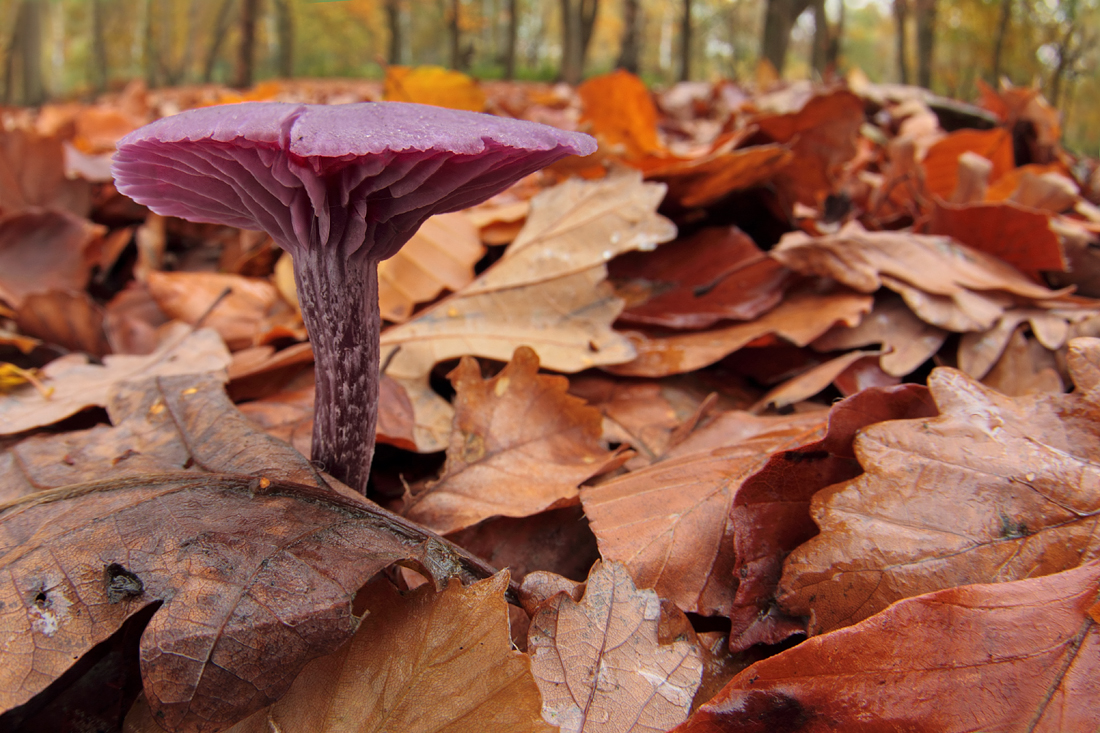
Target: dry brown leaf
[668,522]
[441,255]
[419,663]
[978,352]
[907,340]
[810,382]
[600,666]
[770,515]
[264,560]
[77,384]
[1005,657]
[521,444]
[69,319]
[945,283]
[548,292]
[992,490]
[244,317]
[800,318]
[1025,367]
[703,181]
[32,175]
[44,250]
[1020,236]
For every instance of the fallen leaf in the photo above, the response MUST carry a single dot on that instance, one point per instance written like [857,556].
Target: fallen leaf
[1025,367]
[947,284]
[822,135]
[1008,184]
[978,352]
[598,662]
[69,319]
[32,175]
[243,310]
[451,648]
[618,110]
[1011,656]
[265,560]
[548,292]
[44,250]
[668,523]
[521,444]
[77,384]
[1020,236]
[706,180]
[992,490]
[810,382]
[907,340]
[715,274]
[441,255]
[433,85]
[770,514]
[941,163]
[800,318]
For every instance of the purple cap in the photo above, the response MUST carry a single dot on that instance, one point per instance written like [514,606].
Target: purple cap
[314,174]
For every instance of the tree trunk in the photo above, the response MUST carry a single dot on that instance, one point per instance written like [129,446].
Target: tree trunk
[926,39]
[571,70]
[284,21]
[779,18]
[510,40]
[685,42]
[25,51]
[393,24]
[149,45]
[455,34]
[588,11]
[1066,56]
[901,40]
[629,47]
[98,70]
[246,52]
[221,29]
[820,52]
[836,39]
[999,40]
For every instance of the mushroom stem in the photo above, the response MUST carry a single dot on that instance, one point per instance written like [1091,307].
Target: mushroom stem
[339,301]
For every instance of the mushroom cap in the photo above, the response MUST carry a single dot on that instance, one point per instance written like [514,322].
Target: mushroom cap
[360,177]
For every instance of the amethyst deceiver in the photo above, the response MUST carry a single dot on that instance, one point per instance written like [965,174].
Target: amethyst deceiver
[341,188]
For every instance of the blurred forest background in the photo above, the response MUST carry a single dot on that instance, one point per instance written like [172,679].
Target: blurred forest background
[65,49]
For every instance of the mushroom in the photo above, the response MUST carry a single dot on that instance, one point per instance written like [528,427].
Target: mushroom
[341,188]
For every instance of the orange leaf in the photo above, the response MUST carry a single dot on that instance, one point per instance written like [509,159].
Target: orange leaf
[941,163]
[433,85]
[620,112]
[1019,236]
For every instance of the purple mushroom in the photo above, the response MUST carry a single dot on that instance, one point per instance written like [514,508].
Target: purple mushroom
[341,188]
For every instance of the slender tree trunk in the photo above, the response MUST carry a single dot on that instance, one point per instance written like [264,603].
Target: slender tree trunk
[510,40]
[284,21]
[221,29]
[901,39]
[99,71]
[926,40]
[571,70]
[685,42]
[149,45]
[779,18]
[820,52]
[246,52]
[836,39]
[455,34]
[1066,56]
[25,51]
[393,24]
[629,47]
[999,40]
[588,11]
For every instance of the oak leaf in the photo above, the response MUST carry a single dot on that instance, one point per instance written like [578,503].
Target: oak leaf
[598,662]
[1011,656]
[520,444]
[992,490]
[548,292]
[668,523]
[252,556]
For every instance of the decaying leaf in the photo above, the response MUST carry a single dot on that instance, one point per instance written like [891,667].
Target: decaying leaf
[598,662]
[1005,657]
[252,557]
[992,490]
[43,250]
[419,663]
[77,384]
[799,318]
[520,444]
[668,523]
[547,292]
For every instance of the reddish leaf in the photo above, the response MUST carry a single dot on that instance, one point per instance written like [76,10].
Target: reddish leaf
[1021,237]
[1012,656]
[941,163]
[42,251]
